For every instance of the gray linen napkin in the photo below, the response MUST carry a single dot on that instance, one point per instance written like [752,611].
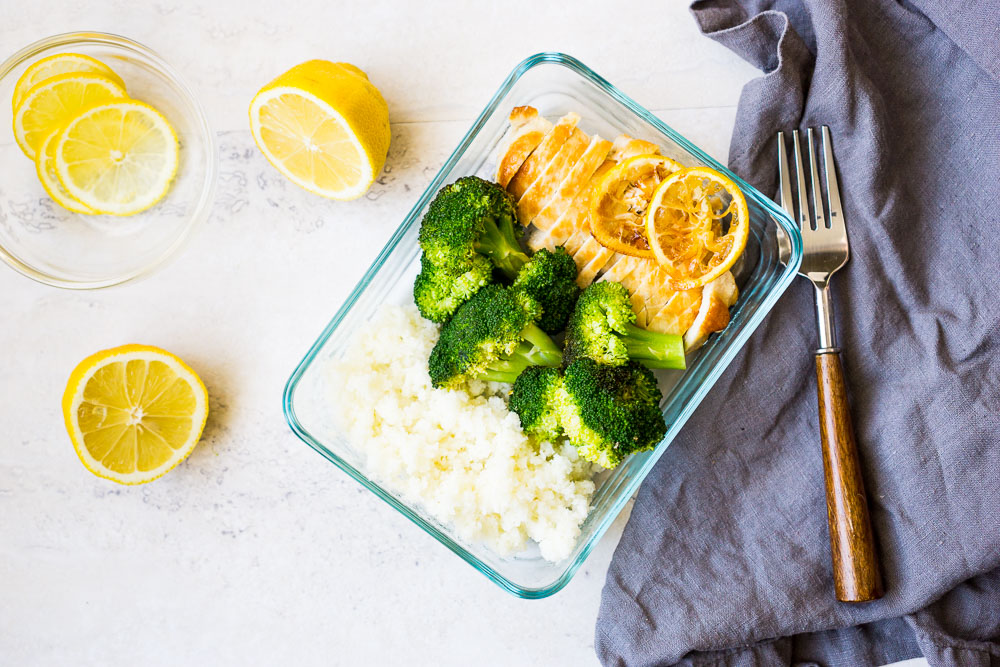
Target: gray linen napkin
[725,559]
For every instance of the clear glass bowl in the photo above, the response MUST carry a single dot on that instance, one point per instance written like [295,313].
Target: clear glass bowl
[57,247]
[555,84]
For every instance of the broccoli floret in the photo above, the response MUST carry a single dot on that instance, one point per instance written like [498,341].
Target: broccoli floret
[550,277]
[439,291]
[492,336]
[537,397]
[601,328]
[611,411]
[473,216]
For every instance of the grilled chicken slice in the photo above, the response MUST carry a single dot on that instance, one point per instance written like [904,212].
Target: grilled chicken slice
[572,228]
[540,157]
[539,193]
[713,314]
[573,183]
[527,129]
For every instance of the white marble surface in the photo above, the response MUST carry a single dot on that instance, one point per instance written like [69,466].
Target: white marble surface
[256,550]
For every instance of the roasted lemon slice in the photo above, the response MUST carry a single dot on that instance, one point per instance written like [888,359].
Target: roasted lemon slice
[61,63]
[697,224]
[45,166]
[117,158]
[618,204]
[134,412]
[55,101]
[324,126]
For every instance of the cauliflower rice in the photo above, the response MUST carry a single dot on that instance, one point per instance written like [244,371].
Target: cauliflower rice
[461,455]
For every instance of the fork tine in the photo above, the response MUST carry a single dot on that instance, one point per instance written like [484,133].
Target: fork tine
[785,178]
[832,186]
[816,189]
[800,176]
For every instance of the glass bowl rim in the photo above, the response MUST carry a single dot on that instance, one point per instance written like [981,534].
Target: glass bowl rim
[202,208]
[631,486]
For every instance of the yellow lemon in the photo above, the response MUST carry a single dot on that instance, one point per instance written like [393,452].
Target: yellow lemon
[134,412]
[118,157]
[61,63]
[52,103]
[697,224]
[45,166]
[324,126]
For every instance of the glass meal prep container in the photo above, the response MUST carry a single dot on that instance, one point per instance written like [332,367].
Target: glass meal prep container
[555,84]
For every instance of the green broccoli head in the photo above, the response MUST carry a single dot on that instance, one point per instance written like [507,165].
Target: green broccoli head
[611,411]
[471,216]
[492,336]
[550,277]
[537,397]
[602,328]
[439,291]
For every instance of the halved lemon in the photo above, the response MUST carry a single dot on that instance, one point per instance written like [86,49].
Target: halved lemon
[697,224]
[61,63]
[45,166]
[134,412]
[118,157]
[52,103]
[618,204]
[324,126]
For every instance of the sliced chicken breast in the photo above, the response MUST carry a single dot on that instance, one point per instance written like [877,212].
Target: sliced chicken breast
[713,315]
[527,129]
[538,194]
[540,157]
[573,183]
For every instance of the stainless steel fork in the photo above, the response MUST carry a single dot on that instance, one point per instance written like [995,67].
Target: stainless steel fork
[856,572]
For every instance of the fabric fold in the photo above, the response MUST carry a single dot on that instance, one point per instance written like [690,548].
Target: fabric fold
[725,559]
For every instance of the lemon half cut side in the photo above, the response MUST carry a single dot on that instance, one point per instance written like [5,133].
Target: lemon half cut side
[324,126]
[134,412]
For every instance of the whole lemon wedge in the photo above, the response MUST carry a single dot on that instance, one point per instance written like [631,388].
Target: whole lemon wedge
[134,412]
[324,126]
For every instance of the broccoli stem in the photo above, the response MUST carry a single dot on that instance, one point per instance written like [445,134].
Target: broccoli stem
[653,349]
[536,349]
[502,247]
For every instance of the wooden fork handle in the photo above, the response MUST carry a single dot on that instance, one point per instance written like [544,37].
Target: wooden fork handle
[856,571]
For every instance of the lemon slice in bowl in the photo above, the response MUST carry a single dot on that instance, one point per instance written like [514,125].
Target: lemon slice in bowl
[45,166]
[52,103]
[324,126]
[697,224]
[134,412]
[118,157]
[61,63]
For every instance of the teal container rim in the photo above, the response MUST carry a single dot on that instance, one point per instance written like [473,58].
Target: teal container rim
[767,303]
